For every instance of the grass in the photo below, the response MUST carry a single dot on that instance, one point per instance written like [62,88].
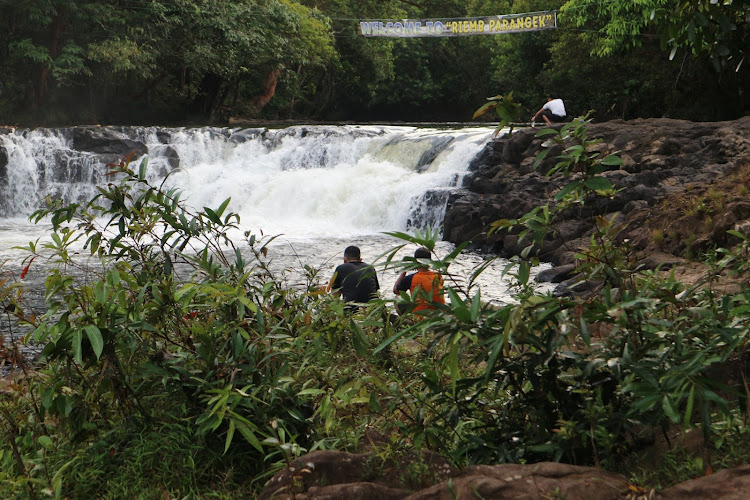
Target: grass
[168,461]
[658,237]
[730,447]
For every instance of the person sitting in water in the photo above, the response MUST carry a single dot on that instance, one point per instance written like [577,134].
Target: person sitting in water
[425,286]
[356,281]
[552,111]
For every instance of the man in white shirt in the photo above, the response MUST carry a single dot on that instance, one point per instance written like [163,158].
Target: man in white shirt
[552,111]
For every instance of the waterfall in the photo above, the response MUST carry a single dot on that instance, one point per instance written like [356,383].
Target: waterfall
[302,180]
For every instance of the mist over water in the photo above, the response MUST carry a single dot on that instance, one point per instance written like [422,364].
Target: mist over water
[320,188]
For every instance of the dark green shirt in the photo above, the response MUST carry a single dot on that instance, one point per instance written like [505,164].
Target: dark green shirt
[357,282]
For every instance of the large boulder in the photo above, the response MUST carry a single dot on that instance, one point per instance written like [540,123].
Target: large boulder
[335,475]
[729,484]
[330,474]
[532,481]
[107,142]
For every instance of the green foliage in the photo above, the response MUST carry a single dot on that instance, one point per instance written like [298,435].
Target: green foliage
[506,109]
[555,378]
[736,261]
[178,326]
[184,54]
[180,366]
[717,28]
[171,61]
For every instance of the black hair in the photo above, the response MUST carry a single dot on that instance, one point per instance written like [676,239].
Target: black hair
[352,252]
[422,253]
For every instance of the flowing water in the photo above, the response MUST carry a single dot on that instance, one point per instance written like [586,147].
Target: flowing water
[320,188]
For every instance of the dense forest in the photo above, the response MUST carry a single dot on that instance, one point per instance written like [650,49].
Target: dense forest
[68,62]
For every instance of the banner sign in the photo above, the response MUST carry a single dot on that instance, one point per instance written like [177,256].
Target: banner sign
[492,25]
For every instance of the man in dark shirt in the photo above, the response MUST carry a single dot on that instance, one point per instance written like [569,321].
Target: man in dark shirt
[355,280]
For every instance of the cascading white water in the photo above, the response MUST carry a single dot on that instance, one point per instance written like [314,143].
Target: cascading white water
[306,181]
[324,181]
[40,163]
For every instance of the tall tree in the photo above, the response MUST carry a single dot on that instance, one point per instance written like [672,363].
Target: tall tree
[717,28]
[142,57]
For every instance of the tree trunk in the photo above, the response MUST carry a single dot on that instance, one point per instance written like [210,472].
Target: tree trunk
[268,90]
[205,102]
[215,114]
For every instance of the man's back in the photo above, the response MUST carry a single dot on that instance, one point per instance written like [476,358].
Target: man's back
[357,281]
[426,288]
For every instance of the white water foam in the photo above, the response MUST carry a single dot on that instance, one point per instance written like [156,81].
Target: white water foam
[328,182]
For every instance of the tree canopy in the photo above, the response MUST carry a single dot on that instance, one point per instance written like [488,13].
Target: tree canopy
[202,61]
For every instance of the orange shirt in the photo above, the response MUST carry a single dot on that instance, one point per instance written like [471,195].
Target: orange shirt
[429,282]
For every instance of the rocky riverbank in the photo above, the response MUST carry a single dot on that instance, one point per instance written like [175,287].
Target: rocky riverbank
[682,186]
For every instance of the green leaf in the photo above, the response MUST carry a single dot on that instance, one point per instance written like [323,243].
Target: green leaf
[486,107]
[737,234]
[142,168]
[374,404]
[230,436]
[95,339]
[498,344]
[456,251]
[212,216]
[247,302]
[689,408]
[645,403]
[669,409]
[405,333]
[311,392]
[76,346]
[222,207]
[598,183]
[524,271]
[46,442]
[585,333]
[250,437]
[453,364]
[358,339]
[546,131]
[612,160]
[570,187]
[458,307]
[476,304]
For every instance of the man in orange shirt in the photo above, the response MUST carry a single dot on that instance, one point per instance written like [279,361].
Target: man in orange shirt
[425,286]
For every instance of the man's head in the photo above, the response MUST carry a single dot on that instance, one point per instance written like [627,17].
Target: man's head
[422,253]
[351,254]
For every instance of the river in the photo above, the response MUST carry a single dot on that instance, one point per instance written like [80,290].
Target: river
[319,188]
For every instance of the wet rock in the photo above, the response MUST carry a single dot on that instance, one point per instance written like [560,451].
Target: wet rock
[729,484]
[533,482]
[334,475]
[3,166]
[330,474]
[556,274]
[107,142]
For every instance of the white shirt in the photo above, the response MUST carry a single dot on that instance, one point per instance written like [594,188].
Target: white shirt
[556,106]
